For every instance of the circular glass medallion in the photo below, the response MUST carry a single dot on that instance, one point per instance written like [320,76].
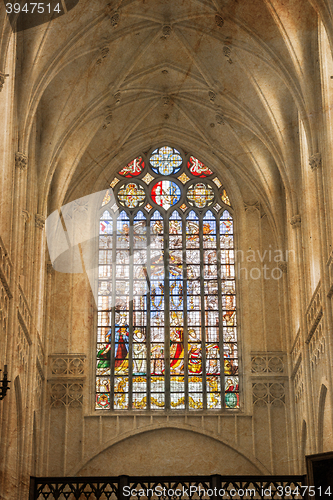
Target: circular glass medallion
[165,194]
[131,195]
[200,195]
[231,400]
[165,161]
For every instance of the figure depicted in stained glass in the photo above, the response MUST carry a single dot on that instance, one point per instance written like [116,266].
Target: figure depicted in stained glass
[165,194]
[121,350]
[102,384]
[103,355]
[194,353]
[229,315]
[212,359]
[231,384]
[231,392]
[139,353]
[157,359]
[176,352]
[175,265]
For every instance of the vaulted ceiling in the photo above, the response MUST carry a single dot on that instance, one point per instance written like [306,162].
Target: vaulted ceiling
[227,79]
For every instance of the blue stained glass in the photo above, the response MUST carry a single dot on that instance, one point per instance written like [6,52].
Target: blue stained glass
[165,161]
[209,216]
[157,216]
[226,215]
[192,215]
[226,227]
[140,216]
[175,216]
[106,215]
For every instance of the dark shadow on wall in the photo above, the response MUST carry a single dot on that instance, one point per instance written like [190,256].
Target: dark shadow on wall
[26,15]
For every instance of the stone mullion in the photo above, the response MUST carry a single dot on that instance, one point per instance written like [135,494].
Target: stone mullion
[148,313]
[203,320]
[185,326]
[130,336]
[219,291]
[166,314]
[113,310]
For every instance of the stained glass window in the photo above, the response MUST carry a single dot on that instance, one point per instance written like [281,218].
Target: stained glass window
[133,168]
[166,289]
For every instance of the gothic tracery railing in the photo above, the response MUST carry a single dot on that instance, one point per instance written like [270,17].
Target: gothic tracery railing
[169,488]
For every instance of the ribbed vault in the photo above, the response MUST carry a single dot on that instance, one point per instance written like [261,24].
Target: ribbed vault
[229,78]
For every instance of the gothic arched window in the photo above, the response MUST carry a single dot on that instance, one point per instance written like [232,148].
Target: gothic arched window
[166,294]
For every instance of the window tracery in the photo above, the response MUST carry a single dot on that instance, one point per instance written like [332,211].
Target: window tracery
[166,289]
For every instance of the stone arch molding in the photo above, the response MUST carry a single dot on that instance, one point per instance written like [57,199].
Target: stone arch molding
[211,454]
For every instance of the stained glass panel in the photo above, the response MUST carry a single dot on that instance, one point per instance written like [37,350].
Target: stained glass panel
[225,197]
[133,168]
[114,182]
[165,194]
[165,161]
[166,292]
[197,168]
[106,199]
[200,195]
[131,195]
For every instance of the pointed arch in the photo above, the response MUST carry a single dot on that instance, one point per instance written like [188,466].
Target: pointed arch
[167,295]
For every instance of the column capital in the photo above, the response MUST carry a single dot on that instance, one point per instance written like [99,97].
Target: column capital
[2,80]
[21,160]
[283,266]
[315,161]
[295,221]
[39,221]
[25,215]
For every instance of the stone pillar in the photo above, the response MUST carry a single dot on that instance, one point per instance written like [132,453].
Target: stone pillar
[295,222]
[315,162]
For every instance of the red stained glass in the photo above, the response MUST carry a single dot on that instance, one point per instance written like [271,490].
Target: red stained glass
[133,168]
[197,168]
[165,194]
